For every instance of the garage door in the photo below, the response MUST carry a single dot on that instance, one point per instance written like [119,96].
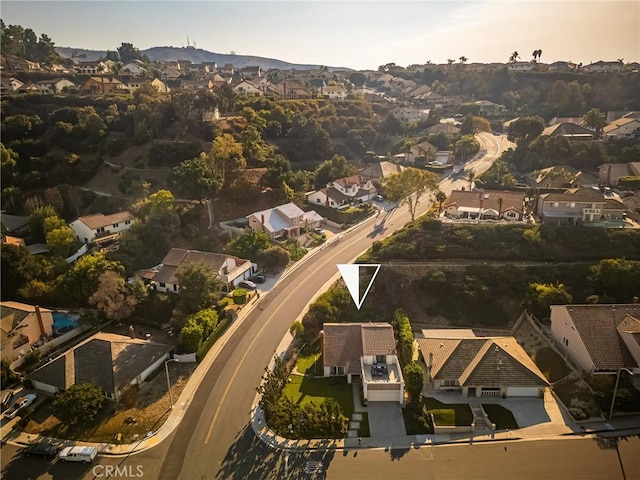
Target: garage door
[44,387]
[522,392]
[384,396]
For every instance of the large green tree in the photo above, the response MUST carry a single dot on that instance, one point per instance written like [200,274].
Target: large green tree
[526,129]
[199,287]
[80,403]
[540,296]
[414,380]
[409,186]
[595,119]
[332,169]
[82,280]
[196,179]
[617,279]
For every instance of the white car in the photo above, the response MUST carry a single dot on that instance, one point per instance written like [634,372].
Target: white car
[21,403]
[78,454]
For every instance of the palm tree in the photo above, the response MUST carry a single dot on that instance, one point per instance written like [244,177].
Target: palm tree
[500,202]
[539,54]
[450,61]
[470,178]
[440,197]
[514,57]
[463,59]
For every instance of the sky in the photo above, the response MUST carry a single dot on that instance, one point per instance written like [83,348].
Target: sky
[357,34]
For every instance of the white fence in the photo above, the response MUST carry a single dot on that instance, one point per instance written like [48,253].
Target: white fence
[185,358]
[81,251]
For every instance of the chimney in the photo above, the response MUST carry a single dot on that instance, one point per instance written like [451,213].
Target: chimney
[262,222]
[132,332]
[430,364]
[40,322]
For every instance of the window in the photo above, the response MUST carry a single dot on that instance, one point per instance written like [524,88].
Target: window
[449,383]
[127,222]
[572,205]
[162,284]
[565,341]
[381,358]
[556,204]
[115,225]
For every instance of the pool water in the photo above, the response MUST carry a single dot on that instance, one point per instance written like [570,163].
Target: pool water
[64,322]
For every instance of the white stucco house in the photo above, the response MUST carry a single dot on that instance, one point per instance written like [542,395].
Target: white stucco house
[599,338]
[333,92]
[113,362]
[343,192]
[247,88]
[230,270]
[623,128]
[367,351]
[22,326]
[284,221]
[457,360]
[101,228]
[53,86]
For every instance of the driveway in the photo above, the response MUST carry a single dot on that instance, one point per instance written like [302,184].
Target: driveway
[385,419]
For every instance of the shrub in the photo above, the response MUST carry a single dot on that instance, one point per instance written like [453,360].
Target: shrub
[240,296]
[405,337]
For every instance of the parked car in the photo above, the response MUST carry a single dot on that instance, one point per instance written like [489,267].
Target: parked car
[21,403]
[78,454]
[5,398]
[378,198]
[41,449]
[258,278]
[248,284]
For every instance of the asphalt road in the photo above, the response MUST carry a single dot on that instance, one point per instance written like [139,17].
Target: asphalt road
[214,439]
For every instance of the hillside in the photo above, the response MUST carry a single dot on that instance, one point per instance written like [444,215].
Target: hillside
[195,55]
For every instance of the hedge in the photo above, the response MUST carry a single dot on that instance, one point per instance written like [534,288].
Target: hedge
[215,335]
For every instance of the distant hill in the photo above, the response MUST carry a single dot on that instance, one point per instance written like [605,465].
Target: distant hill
[195,55]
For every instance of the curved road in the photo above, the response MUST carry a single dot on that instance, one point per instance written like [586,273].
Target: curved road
[214,439]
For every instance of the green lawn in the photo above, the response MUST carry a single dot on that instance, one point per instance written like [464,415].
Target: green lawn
[306,364]
[458,414]
[304,389]
[551,364]
[502,417]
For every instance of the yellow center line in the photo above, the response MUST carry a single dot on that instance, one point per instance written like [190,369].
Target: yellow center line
[249,349]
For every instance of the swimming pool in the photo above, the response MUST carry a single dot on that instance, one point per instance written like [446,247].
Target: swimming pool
[64,322]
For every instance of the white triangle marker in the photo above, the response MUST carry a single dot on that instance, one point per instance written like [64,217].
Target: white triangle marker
[351,276]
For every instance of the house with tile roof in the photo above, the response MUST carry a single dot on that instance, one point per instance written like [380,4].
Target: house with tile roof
[100,85]
[22,326]
[603,67]
[8,85]
[447,129]
[381,170]
[366,351]
[568,130]
[101,228]
[55,85]
[610,173]
[599,338]
[247,88]
[333,92]
[113,362]
[344,192]
[578,205]
[229,270]
[560,176]
[623,128]
[479,366]
[485,205]
[284,221]
[92,67]
[562,66]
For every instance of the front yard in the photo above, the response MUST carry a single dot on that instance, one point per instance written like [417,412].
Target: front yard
[304,389]
[141,410]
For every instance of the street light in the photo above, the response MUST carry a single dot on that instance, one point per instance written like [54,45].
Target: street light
[166,369]
[615,389]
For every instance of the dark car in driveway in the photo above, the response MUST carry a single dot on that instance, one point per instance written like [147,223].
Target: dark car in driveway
[41,449]
[248,284]
[258,278]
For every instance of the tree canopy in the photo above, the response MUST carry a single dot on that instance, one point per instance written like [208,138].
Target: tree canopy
[80,403]
[408,186]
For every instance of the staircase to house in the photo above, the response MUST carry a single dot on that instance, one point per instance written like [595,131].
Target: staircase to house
[480,418]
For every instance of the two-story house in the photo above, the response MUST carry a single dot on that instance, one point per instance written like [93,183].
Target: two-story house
[343,192]
[101,228]
[604,67]
[92,68]
[284,221]
[54,86]
[611,173]
[562,66]
[22,326]
[333,92]
[409,114]
[135,67]
[247,88]
[623,128]
[228,269]
[100,85]
[367,351]
[10,85]
[578,205]
[486,205]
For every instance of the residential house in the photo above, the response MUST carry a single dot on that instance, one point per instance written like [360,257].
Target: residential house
[632,205]
[228,269]
[22,327]
[562,66]
[284,221]
[289,89]
[101,228]
[419,92]
[92,68]
[202,84]
[54,86]
[9,85]
[485,205]
[131,83]
[226,69]
[623,128]
[489,109]
[604,67]
[367,351]
[170,73]
[113,362]
[333,92]
[409,114]
[247,88]
[576,120]
[521,67]
[578,205]
[479,366]
[450,131]
[424,150]
[135,67]
[570,131]
[560,176]
[610,173]
[599,338]
[380,171]
[200,70]
[251,71]
[100,85]
[14,224]
[343,192]
[16,64]
[633,67]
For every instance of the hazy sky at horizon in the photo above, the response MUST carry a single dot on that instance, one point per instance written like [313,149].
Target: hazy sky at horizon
[360,34]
